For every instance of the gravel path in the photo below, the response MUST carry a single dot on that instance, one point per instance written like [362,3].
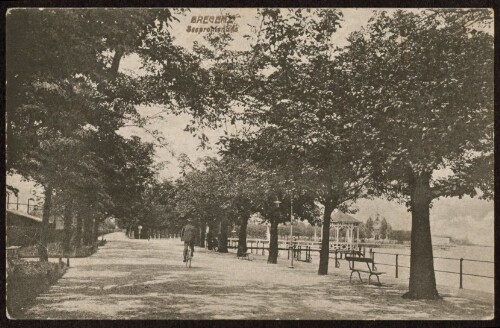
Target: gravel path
[140,279]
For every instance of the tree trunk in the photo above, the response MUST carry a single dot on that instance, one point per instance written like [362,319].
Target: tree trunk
[422,278]
[223,236]
[273,243]
[242,236]
[324,254]
[47,206]
[95,233]
[87,231]
[78,234]
[203,230]
[210,238]
[68,229]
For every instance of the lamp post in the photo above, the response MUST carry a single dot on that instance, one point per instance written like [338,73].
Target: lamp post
[29,205]
[291,231]
[277,202]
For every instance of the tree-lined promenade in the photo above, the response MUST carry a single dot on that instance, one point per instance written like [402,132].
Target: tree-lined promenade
[141,279]
[403,111]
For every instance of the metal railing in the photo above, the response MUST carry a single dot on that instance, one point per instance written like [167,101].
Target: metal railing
[298,249]
[460,272]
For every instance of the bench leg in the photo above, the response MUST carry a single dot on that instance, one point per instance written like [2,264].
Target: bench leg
[378,280]
[369,278]
[359,274]
[350,277]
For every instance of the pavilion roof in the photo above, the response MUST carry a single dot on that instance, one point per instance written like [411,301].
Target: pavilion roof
[340,217]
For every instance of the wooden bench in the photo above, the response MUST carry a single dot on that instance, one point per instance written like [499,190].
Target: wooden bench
[338,252]
[245,256]
[371,270]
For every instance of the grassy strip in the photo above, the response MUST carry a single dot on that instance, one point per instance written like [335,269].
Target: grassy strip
[26,280]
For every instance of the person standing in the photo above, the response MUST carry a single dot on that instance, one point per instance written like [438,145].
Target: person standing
[188,235]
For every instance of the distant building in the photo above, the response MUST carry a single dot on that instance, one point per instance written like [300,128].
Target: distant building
[16,218]
[21,228]
[346,231]
[441,240]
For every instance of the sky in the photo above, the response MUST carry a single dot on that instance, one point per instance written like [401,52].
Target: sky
[459,218]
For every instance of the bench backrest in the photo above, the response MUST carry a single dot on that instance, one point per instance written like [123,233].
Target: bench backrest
[352,259]
[359,259]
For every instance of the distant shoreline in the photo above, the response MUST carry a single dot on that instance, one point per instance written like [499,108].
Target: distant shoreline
[478,245]
[408,245]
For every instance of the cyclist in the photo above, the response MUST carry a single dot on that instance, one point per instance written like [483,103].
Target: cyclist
[188,235]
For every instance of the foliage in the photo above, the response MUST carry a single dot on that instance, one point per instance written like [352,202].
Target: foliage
[400,235]
[421,94]
[26,280]
[423,82]
[67,101]
[368,231]
[27,236]
[257,231]
[307,129]
[385,229]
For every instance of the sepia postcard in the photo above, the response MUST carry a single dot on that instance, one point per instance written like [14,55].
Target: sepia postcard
[249,163]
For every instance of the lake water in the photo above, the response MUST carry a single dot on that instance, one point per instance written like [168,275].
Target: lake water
[447,260]
[444,260]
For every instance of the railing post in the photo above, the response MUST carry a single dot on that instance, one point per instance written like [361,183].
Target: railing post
[67,262]
[292,248]
[336,259]
[461,265]
[397,265]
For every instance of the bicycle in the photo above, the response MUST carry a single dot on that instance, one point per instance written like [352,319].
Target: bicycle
[188,257]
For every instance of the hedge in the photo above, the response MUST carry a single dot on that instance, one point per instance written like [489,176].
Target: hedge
[26,280]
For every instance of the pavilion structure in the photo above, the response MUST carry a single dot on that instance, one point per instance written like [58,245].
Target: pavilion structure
[346,232]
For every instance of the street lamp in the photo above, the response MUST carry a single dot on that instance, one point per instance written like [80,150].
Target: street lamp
[291,231]
[277,202]
[291,217]
[29,204]
[139,228]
